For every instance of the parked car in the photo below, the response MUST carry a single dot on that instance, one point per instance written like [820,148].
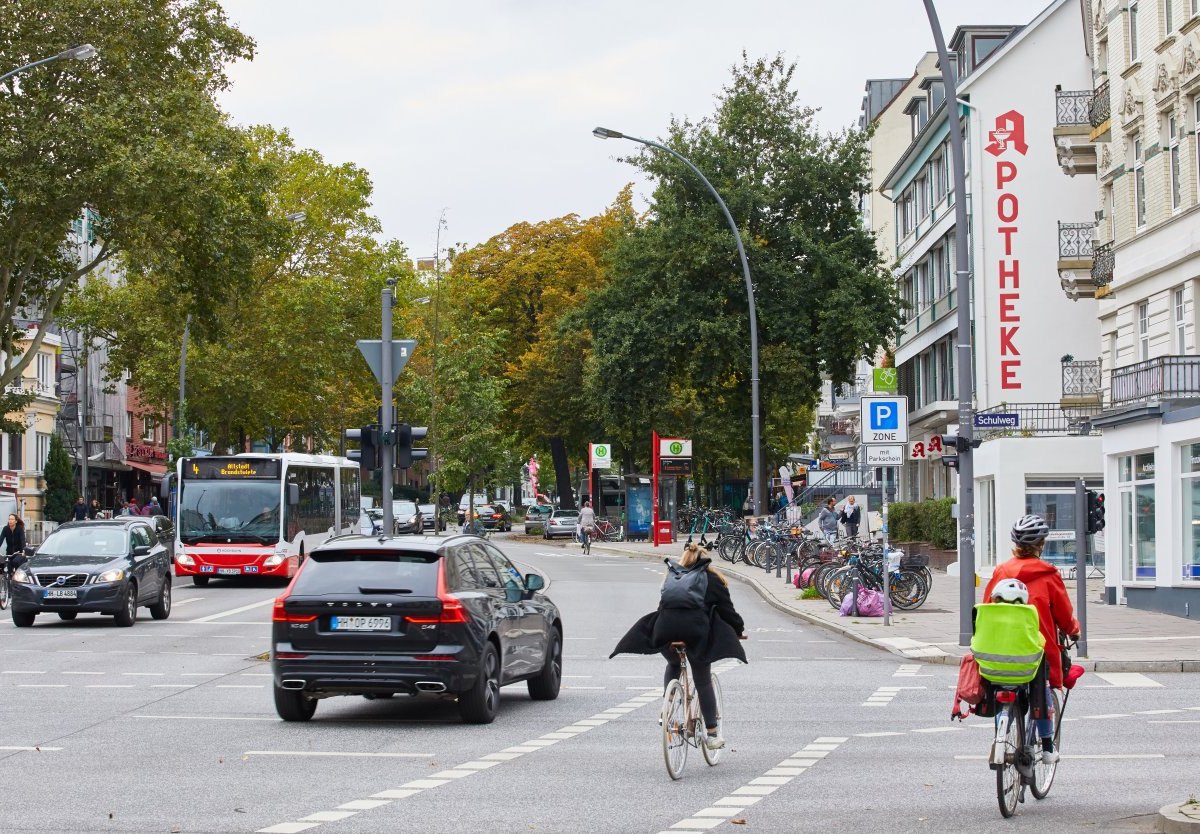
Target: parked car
[561,523]
[494,517]
[407,517]
[105,566]
[379,617]
[536,516]
[428,516]
[370,522]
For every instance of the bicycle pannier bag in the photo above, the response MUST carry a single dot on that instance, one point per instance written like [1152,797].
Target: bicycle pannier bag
[684,587]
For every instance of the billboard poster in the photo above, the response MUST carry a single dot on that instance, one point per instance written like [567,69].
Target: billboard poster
[639,514]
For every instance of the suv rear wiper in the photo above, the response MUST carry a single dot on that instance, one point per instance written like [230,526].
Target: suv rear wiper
[365,590]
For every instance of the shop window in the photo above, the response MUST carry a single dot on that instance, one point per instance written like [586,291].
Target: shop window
[1190,467]
[1136,487]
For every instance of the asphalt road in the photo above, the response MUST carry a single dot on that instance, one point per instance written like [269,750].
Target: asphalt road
[169,727]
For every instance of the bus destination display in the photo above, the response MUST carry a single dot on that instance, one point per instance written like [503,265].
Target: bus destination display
[230,468]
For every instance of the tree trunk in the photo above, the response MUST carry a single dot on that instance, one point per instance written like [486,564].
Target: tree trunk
[562,474]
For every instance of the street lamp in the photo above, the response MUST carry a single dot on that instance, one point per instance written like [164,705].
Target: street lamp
[607,133]
[83,52]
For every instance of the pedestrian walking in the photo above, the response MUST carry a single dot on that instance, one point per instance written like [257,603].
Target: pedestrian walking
[851,517]
[79,511]
[12,538]
[153,508]
[132,507]
[827,520]
[94,509]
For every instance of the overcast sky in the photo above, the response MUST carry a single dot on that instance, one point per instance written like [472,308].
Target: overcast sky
[486,108]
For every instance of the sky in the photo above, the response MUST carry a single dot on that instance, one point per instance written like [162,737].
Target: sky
[485,109]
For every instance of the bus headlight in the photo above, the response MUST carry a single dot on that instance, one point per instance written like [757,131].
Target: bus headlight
[274,561]
[185,560]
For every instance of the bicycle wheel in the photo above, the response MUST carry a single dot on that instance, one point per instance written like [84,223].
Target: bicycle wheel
[908,590]
[714,756]
[838,585]
[674,730]
[1008,778]
[5,592]
[1043,774]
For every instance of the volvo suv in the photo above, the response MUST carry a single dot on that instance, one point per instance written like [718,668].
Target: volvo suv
[447,616]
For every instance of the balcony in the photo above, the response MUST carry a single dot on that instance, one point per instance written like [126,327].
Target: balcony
[1039,420]
[1104,262]
[837,432]
[852,393]
[1073,140]
[1075,260]
[927,316]
[1081,382]
[1100,114]
[1164,378]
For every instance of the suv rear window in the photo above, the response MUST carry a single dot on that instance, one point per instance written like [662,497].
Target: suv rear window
[380,571]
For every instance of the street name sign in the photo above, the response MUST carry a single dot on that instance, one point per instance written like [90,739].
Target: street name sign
[372,351]
[600,455]
[997,421]
[884,420]
[885,455]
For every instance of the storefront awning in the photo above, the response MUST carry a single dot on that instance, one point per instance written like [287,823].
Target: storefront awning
[156,470]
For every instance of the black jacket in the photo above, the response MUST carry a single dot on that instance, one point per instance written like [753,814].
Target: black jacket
[13,539]
[711,632]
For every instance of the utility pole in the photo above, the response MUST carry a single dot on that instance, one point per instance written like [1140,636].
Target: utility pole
[437,301]
[388,417]
[964,357]
[1081,550]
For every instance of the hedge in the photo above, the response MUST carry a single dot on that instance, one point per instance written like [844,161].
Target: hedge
[924,521]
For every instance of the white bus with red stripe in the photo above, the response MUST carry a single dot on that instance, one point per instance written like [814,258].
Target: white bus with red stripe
[258,514]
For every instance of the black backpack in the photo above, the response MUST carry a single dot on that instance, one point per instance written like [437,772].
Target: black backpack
[684,587]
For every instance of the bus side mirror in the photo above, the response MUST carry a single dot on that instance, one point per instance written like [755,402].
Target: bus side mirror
[164,488]
[293,495]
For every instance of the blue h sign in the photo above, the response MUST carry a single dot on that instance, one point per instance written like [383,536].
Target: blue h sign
[884,417]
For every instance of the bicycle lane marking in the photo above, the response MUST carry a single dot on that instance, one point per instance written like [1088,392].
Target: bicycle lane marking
[466,769]
[760,787]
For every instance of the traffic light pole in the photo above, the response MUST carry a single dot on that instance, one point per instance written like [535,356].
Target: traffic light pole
[386,413]
[1081,548]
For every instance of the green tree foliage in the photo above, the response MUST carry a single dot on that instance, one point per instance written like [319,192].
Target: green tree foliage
[135,136]
[60,482]
[671,328]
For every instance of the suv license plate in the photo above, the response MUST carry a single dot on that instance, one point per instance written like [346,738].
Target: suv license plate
[361,623]
[62,593]
[229,571]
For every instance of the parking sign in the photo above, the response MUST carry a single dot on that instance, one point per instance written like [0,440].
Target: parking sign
[884,420]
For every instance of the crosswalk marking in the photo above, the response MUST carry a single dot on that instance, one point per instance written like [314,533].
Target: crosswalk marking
[1127,679]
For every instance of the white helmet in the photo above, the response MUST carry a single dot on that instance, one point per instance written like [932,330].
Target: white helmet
[1011,590]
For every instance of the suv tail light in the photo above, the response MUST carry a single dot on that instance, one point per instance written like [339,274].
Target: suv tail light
[452,609]
[280,615]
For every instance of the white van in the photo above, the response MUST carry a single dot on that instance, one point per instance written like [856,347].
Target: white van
[479,501]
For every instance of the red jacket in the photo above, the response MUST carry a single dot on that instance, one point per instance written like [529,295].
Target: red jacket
[1049,595]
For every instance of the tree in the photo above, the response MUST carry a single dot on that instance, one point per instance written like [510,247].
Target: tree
[672,324]
[135,137]
[60,482]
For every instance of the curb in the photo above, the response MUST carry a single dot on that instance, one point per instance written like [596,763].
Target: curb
[1172,819]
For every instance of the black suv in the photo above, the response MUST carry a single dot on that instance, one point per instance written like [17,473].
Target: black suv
[376,617]
[102,566]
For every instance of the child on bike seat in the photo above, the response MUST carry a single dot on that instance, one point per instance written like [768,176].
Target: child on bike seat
[712,630]
[1029,581]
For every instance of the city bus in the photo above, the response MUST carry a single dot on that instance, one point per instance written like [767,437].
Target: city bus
[258,514]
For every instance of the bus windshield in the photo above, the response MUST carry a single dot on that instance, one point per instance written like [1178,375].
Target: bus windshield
[229,511]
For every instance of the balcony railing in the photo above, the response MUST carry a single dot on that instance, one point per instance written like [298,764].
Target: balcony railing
[928,315]
[1104,261]
[1075,241]
[1040,419]
[851,393]
[1167,377]
[1072,107]
[1100,107]
[1081,378]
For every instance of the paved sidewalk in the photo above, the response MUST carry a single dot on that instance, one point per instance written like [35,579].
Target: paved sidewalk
[1119,639]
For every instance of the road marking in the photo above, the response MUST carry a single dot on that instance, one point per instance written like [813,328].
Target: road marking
[42,686]
[232,611]
[337,753]
[23,672]
[178,601]
[1156,712]
[207,717]
[33,749]
[907,670]
[1176,721]
[882,696]
[1126,679]
[758,787]
[109,686]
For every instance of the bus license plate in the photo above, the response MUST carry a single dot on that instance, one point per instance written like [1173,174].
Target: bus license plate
[361,623]
[62,593]
[229,571]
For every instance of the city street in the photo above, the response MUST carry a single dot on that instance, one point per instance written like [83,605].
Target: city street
[170,727]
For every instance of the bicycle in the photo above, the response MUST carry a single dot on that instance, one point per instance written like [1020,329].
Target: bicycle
[6,572]
[1016,754]
[682,722]
[585,538]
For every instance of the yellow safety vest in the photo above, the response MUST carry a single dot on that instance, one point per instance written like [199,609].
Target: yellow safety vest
[1008,643]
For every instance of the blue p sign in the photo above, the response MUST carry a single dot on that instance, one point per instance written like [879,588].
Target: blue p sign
[884,417]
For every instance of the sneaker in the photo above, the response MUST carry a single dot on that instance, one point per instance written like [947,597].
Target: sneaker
[1049,754]
[714,741]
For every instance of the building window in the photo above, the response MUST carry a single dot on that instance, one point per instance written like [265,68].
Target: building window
[1191,511]
[1173,163]
[41,450]
[1143,325]
[1139,183]
[1168,17]
[1195,7]
[129,425]
[14,451]
[45,372]
[1196,133]
[148,428]
[1110,209]
[1135,475]
[1180,323]
[1133,31]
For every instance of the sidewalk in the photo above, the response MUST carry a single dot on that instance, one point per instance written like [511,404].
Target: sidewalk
[1119,639]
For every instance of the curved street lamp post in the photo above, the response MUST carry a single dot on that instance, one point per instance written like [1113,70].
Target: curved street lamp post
[756,487]
[82,52]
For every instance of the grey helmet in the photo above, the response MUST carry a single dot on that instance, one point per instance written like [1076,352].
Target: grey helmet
[1030,529]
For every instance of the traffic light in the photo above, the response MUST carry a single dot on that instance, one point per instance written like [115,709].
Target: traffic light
[405,452]
[367,453]
[956,444]
[1095,511]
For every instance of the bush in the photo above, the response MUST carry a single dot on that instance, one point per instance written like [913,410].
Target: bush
[926,521]
[902,522]
[60,482]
